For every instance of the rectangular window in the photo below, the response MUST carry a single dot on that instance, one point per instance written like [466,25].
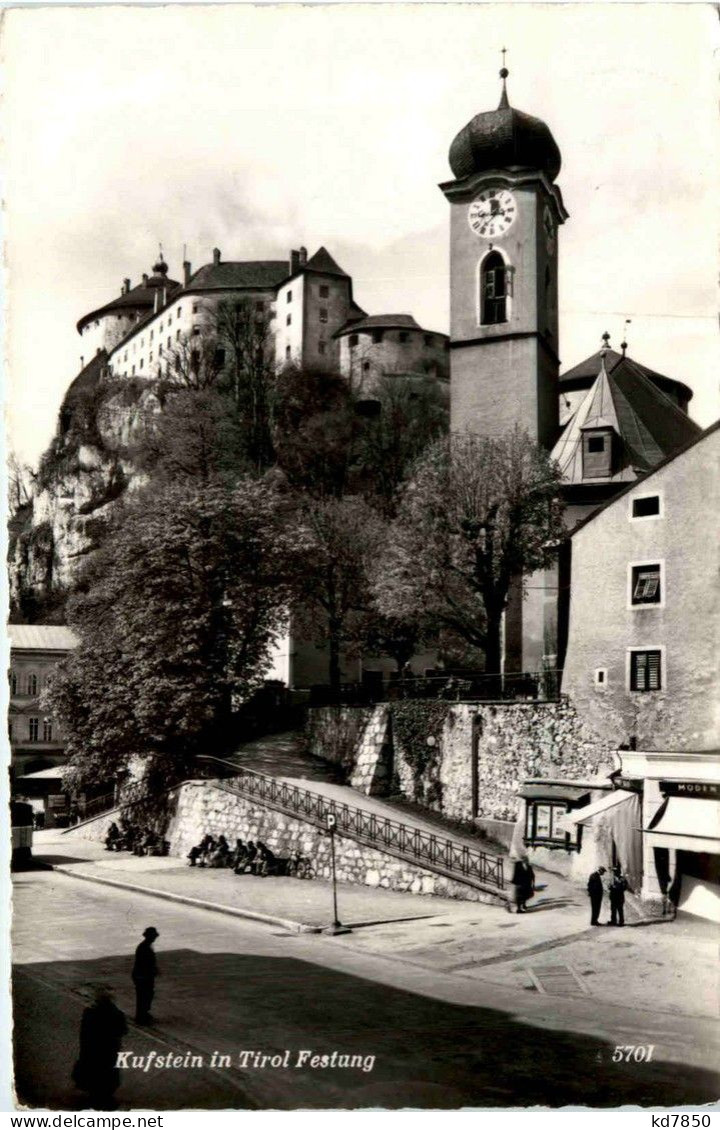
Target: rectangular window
[196,331]
[47,730]
[195,307]
[601,676]
[323,314]
[353,340]
[33,729]
[32,685]
[403,337]
[287,352]
[152,334]
[179,311]
[647,507]
[646,584]
[366,366]
[288,320]
[645,671]
[177,335]
[10,729]
[160,349]
[169,342]
[13,683]
[324,291]
[289,296]
[377,336]
[596,444]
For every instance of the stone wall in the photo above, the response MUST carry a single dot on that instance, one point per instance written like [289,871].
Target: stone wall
[507,742]
[334,733]
[201,807]
[371,769]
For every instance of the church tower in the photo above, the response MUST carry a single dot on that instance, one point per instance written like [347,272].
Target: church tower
[505,214]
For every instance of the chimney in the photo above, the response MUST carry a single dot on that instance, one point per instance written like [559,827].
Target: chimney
[216,255]
[125,286]
[294,261]
[187,271]
[145,280]
[303,256]
[156,303]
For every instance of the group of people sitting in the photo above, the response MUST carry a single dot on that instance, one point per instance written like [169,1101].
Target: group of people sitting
[245,858]
[138,839]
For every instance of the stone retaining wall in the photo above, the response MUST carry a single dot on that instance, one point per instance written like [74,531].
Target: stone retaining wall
[513,742]
[202,807]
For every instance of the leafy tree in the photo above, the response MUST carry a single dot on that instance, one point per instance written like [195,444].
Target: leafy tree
[412,412]
[477,513]
[342,538]
[398,637]
[176,616]
[196,435]
[315,429]
[244,347]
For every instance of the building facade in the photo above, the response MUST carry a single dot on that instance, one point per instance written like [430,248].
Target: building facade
[36,739]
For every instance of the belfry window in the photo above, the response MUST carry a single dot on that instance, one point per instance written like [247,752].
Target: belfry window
[493,290]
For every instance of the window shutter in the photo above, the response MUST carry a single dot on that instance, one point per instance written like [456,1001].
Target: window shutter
[653,662]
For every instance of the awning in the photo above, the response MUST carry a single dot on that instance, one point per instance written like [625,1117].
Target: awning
[56,773]
[686,824]
[610,800]
[567,793]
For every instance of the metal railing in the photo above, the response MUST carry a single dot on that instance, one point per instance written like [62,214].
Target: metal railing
[516,686]
[437,853]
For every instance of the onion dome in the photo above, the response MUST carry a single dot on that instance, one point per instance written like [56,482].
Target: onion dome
[503,139]
[161,267]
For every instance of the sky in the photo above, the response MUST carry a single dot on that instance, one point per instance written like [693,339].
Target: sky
[260,128]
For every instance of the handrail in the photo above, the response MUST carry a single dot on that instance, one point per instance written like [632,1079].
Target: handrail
[414,844]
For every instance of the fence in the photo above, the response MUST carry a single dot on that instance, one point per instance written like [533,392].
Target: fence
[415,845]
[525,686]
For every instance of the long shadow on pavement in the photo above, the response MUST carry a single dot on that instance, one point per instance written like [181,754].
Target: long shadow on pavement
[428,1053]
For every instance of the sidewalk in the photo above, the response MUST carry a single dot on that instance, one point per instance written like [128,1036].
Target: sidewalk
[664,967]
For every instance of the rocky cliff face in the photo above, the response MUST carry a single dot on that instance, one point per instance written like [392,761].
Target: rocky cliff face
[88,466]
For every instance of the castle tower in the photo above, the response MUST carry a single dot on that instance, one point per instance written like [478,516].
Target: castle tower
[505,214]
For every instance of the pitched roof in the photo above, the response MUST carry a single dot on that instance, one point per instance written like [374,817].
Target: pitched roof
[258,274]
[642,479]
[140,298]
[42,637]
[323,262]
[649,425]
[585,373]
[381,322]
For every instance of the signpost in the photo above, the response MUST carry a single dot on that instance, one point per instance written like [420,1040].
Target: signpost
[336,927]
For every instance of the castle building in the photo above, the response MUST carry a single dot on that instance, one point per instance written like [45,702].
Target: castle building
[306,303]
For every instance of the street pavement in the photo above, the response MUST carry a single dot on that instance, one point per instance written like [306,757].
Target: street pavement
[440,1037]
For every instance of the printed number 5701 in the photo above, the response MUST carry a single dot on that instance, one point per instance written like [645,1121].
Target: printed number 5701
[640,1053]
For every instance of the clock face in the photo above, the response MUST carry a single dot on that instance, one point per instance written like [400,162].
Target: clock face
[492,213]
[549,228]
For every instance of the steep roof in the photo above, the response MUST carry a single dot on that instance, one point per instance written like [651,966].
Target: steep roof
[140,299]
[642,479]
[380,322]
[649,425]
[258,274]
[583,375]
[323,262]
[42,637]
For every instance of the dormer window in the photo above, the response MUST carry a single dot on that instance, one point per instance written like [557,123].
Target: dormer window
[493,290]
[597,453]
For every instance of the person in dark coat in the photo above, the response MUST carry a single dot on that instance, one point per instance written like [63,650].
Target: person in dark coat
[144,972]
[595,891]
[112,839]
[618,887]
[248,861]
[102,1028]
[527,884]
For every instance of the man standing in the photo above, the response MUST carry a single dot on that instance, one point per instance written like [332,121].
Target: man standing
[595,890]
[144,972]
[618,886]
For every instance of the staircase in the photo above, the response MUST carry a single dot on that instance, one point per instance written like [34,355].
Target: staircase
[415,844]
